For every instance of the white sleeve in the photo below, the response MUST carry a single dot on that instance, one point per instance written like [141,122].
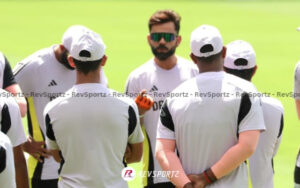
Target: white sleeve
[297,82]
[165,128]
[24,73]
[278,141]
[50,137]
[134,122]
[254,119]
[16,132]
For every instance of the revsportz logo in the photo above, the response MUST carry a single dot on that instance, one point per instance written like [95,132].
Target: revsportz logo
[128,174]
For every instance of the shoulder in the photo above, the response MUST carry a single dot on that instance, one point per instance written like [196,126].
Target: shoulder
[52,105]
[121,97]
[273,103]
[241,84]
[33,60]
[142,69]
[297,71]
[182,62]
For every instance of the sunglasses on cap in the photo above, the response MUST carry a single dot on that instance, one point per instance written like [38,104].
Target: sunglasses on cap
[168,37]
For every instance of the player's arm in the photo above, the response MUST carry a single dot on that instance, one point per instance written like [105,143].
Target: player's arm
[230,160]
[165,148]
[168,160]
[36,149]
[144,103]
[297,101]
[134,150]
[20,167]
[10,85]
[17,92]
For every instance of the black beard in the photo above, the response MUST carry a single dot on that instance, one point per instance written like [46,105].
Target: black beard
[162,55]
[65,62]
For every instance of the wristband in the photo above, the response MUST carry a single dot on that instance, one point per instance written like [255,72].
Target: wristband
[209,174]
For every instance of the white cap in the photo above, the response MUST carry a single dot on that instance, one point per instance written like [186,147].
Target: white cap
[88,47]
[206,41]
[240,55]
[71,33]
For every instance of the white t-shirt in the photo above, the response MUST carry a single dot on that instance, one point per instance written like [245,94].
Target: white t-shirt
[159,83]
[42,78]
[10,119]
[92,134]
[297,82]
[261,162]
[207,123]
[7,166]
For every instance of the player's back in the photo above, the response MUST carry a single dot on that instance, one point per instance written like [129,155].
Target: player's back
[208,121]
[92,133]
[261,162]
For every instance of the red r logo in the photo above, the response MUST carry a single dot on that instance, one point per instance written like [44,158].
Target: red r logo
[128,173]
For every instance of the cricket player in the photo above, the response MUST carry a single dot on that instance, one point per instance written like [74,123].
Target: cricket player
[43,76]
[7,167]
[158,77]
[297,101]
[11,125]
[240,61]
[92,131]
[8,83]
[216,128]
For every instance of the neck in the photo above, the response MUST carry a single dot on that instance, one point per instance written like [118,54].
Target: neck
[58,53]
[211,67]
[91,77]
[166,64]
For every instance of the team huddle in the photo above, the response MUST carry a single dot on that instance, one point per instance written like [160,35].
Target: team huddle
[77,140]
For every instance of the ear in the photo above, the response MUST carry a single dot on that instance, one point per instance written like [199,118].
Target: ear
[224,52]
[62,47]
[255,69]
[71,62]
[103,60]
[178,40]
[149,39]
[194,58]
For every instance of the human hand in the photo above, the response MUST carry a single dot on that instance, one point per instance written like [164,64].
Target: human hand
[36,149]
[144,102]
[197,180]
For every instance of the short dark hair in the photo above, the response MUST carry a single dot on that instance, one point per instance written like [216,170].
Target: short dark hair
[86,66]
[245,73]
[164,16]
[211,58]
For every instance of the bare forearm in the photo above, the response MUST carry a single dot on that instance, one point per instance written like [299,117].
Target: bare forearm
[22,105]
[230,160]
[236,154]
[21,175]
[135,153]
[170,162]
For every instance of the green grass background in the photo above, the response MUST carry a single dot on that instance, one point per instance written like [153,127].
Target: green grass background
[270,26]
